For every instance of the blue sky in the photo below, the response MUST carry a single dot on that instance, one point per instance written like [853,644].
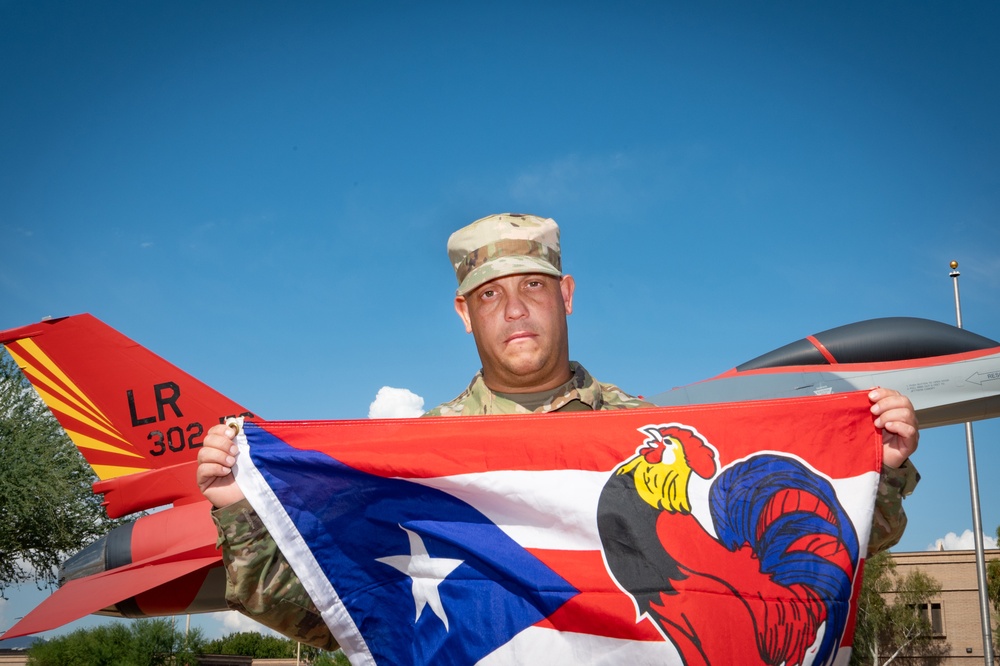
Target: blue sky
[261,193]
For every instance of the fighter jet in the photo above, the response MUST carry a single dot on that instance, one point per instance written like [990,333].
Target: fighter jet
[139,421]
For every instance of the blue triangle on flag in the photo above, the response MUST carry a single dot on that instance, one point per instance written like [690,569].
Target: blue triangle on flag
[354,521]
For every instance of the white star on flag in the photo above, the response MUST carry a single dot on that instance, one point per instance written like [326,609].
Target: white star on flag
[426,572]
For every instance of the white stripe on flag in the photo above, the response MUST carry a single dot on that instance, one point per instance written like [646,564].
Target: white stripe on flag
[552,509]
[279,524]
[538,645]
[557,509]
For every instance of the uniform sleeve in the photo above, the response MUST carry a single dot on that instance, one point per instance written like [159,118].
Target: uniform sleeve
[889,520]
[259,581]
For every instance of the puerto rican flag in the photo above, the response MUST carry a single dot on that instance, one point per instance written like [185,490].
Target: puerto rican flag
[477,539]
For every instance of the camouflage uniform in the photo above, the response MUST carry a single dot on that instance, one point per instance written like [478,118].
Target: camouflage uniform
[259,581]
[505,244]
[581,393]
[889,520]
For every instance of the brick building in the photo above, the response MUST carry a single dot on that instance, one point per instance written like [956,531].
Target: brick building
[954,612]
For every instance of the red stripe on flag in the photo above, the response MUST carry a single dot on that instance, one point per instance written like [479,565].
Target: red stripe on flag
[592,441]
[601,608]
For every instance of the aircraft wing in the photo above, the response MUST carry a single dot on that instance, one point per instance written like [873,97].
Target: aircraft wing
[84,596]
[165,563]
[951,375]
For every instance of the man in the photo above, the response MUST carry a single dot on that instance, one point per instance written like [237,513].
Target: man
[514,299]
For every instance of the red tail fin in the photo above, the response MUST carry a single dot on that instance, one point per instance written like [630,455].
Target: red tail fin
[126,409]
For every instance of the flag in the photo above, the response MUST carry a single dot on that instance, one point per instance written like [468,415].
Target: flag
[682,535]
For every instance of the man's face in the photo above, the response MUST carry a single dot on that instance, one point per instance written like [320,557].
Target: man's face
[519,323]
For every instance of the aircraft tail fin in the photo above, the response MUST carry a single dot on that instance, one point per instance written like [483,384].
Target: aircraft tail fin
[126,409]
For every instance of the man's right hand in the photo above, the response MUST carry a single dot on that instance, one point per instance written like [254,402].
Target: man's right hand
[215,467]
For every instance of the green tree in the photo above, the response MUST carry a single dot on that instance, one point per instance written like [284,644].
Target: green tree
[323,658]
[47,507]
[252,644]
[146,642]
[891,623]
[259,646]
[191,645]
[993,592]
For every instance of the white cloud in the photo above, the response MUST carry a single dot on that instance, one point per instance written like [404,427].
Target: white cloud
[223,623]
[239,622]
[396,403]
[967,541]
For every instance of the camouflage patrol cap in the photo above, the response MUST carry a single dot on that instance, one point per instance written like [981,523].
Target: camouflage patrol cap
[505,244]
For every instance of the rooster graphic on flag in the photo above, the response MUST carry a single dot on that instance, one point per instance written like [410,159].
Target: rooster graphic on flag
[779,566]
[694,535]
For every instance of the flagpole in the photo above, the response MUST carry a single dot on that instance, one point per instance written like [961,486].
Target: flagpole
[977,519]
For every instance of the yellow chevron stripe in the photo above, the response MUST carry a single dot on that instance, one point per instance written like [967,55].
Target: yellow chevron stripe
[51,366]
[105,472]
[57,405]
[32,348]
[42,384]
[86,442]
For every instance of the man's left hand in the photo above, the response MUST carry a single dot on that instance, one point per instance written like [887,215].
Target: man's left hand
[894,414]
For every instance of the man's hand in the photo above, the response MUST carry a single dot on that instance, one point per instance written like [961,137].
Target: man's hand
[894,414]
[215,467]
